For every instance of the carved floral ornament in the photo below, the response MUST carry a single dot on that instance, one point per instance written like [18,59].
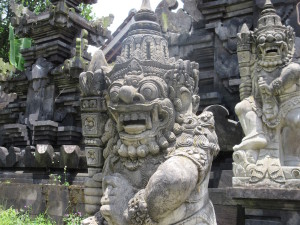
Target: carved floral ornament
[153,141]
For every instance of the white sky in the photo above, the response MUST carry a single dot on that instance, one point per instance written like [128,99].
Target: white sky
[120,9]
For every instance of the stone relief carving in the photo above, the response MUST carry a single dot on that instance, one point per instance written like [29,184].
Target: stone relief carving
[94,117]
[269,110]
[157,152]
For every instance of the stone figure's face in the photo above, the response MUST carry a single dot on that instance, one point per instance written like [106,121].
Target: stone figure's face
[142,111]
[273,47]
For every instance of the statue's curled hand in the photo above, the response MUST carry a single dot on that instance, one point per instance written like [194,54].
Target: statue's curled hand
[137,210]
[264,87]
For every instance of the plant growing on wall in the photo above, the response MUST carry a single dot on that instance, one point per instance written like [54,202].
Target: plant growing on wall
[6,69]
[16,45]
[36,6]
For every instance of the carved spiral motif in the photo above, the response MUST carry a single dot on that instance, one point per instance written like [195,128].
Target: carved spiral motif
[89,123]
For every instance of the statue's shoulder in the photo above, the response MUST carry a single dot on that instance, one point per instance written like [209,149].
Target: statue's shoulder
[292,67]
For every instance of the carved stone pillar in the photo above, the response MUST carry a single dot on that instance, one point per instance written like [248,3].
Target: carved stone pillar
[93,118]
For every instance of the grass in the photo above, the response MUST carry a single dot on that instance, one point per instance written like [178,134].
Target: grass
[14,217]
[22,217]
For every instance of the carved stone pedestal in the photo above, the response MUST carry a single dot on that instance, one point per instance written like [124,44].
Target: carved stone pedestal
[268,206]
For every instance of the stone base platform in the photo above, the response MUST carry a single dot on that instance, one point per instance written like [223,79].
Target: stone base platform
[268,206]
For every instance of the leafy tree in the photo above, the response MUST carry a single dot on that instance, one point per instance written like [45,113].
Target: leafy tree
[4,29]
[36,6]
[86,12]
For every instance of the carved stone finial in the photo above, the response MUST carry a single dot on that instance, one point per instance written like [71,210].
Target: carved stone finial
[269,17]
[146,5]
[245,29]
[268,3]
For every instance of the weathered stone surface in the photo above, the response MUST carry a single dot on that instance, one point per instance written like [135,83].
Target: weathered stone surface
[29,158]
[3,155]
[267,206]
[44,155]
[5,99]
[229,132]
[178,22]
[70,156]
[44,132]
[56,200]
[15,135]
[13,156]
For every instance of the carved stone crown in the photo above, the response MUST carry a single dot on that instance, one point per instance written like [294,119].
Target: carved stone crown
[145,51]
[268,17]
[270,21]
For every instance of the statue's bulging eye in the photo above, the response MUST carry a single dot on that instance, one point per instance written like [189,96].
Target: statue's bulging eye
[279,37]
[149,91]
[262,39]
[114,94]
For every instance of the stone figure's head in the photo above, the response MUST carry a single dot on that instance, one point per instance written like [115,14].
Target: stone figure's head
[274,42]
[148,91]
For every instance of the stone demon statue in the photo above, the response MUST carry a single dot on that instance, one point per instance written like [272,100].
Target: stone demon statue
[157,151]
[269,111]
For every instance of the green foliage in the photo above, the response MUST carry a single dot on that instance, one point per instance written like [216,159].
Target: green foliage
[5,14]
[36,6]
[107,20]
[6,69]
[66,183]
[73,218]
[164,18]
[57,179]
[16,45]
[87,12]
[22,217]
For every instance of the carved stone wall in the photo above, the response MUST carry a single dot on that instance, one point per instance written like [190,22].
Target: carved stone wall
[40,120]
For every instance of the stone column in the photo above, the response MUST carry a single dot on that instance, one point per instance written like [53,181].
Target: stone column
[93,118]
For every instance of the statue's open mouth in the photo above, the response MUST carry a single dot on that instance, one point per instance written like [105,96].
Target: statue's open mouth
[272,51]
[140,121]
[135,123]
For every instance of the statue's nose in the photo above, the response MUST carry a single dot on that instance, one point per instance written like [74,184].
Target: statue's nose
[270,38]
[128,94]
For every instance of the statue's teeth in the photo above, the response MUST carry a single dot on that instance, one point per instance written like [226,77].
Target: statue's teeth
[155,114]
[142,116]
[134,116]
[148,123]
[281,47]
[126,117]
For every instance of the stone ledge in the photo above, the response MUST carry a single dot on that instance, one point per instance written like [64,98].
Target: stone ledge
[264,194]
